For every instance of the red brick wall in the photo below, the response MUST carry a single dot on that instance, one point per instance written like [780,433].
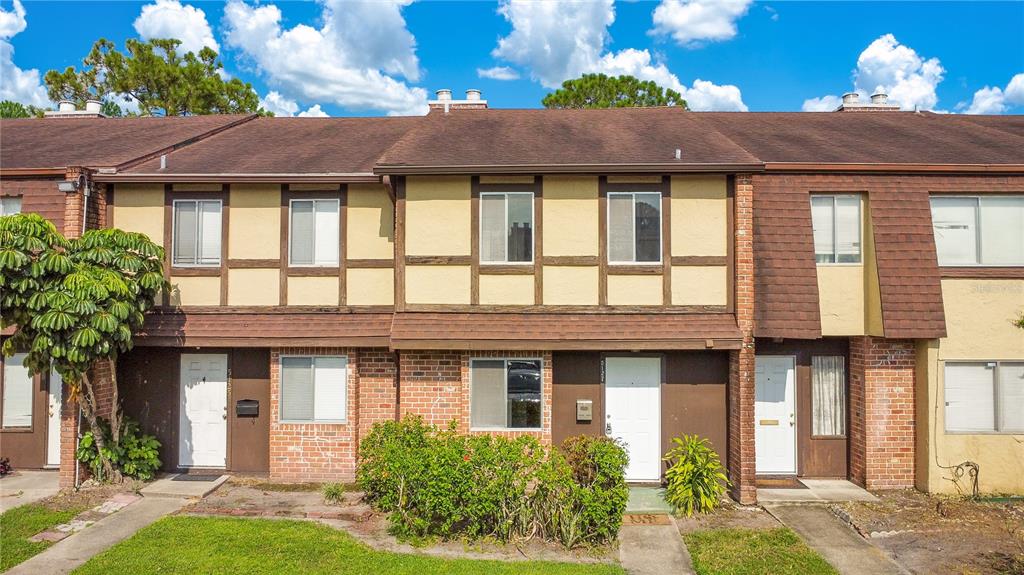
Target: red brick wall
[740,459]
[104,393]
[377,371]
[882,412]
[435,385]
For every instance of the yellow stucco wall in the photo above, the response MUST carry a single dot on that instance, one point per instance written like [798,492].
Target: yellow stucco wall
[700,216]
[371,223]
[509,179]
[841,299]
[255,228]
[140,208]
[254,287]
[978,326]
[700,285]
[637,179]
[635,290]
[313,291]
[373,286]
[565,285]
[186,291]
[437,284]
[313,187]
[506,290]
[204,187]
[570,216]
[437,216]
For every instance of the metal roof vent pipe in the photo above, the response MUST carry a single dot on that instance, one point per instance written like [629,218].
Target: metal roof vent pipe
[879,98]
[473,95]
[65,106]
[850,98]
[93,106]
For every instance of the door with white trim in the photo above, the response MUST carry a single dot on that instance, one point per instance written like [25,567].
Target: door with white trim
[633,412]
[203,420]
[775,414]
[53,420]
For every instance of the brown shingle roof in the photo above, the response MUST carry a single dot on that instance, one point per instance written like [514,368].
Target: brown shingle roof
[288,146]
[260,329]
[523,138]
[37,143]
[567,331]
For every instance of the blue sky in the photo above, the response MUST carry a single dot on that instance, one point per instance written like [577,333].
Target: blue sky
[387,57]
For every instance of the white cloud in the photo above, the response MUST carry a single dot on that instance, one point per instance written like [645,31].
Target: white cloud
[995,100]
[172,19]
[16,84]
[823,104]
[314,112]
[896,69]
[498,73]
[285,107]
[555,40]
[703,96]
[693,22]
[328,64]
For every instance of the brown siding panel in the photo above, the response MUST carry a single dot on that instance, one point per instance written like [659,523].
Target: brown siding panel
[39,196]
[249,437]
[693,399]
[575,375]
[148,381]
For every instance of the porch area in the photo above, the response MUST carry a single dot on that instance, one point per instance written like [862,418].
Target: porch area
[814,491]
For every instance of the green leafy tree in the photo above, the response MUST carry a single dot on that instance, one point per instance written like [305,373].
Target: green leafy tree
[164,82]
[75,304]
[9,109]
[601,91]
[110,109]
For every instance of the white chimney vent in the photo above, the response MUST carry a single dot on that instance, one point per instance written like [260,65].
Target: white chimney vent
[851,97]
[163,161]
[444,94]
[93,106]
[65,106]
[67,109]
[445,102]
[879,103]
[879,98]
[473,95]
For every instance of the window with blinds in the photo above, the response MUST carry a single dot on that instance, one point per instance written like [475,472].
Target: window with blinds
[314,388]
[979,230]
[506,227]
[196,231]
[505,394]
[10,205]
[837,224]
[313,233]
[17,409]
[984,397]
[634,227]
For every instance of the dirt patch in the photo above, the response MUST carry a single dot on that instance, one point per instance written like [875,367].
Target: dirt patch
[88,496]
[936,534]
[728,516]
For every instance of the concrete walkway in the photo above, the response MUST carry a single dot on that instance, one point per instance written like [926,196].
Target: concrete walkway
[840,545]
[818,491]
[167,486]
[67,555]
[24,487]
[653,548]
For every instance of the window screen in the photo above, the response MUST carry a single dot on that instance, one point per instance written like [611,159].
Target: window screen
[634,227]
[10,205]
[17,396]
[979,230]
[506,227]
[970,396]
[837,228]
[314,233]
[828,395]
[197,231]
[1011,397]
[505,393]
[314,388]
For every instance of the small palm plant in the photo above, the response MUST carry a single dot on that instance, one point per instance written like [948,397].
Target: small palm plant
[694,477]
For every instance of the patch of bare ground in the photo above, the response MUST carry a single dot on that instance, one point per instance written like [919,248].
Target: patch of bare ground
[941,534]
[247,497]
[729,516]
[88,496]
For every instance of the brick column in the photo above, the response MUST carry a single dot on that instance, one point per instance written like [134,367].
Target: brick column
[882,439]
[377,371]
[103,388]
[740,459]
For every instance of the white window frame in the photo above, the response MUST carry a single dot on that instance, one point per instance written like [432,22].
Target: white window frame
[533,229]
[997,416]
[977,231]
[337,262]
[608,233]
[540,362]
[198,235]
[20,200]
[312,358]
[835,230]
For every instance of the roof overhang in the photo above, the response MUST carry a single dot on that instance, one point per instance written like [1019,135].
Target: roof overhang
[655,168]
[893,168]
[29,172]
[336,178]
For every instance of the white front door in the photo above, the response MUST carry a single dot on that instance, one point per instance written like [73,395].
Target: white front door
[775,414]
[203,424]
[633,412]
[53,420]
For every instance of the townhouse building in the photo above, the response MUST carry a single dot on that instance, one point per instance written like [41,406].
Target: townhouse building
[820,295]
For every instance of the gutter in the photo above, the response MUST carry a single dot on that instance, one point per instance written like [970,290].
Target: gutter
[656,168]
[337,178]
[891,168]
[21,172]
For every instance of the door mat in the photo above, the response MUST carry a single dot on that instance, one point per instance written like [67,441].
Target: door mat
[642,519]
[195,477]
[779,483]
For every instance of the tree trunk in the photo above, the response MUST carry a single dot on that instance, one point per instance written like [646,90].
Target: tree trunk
[115,405]
[88,396]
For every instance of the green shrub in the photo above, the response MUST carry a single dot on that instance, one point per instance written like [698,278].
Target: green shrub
[446,484]
[333,492]
[137,455]
[695,482]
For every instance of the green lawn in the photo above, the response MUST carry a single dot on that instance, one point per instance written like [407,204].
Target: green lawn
[20,523]
[753,552]
[182,544]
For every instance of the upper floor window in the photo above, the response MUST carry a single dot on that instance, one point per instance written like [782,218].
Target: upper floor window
[197,231]
[506,227]
[505,393]
[314,388]
[10,205]
[984,397]
[836,223]
[314,232]
[979,230]
[634,227]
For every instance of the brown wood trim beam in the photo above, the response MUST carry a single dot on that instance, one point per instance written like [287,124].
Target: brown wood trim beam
[208,272]
[570,260]
[700,260]
[506,270]
[274,309]
[597,309]
[566,345]
[474,240]
[982,272]
[636,270]
[312,272]
[260,341]
[370,263]
[244,264]
[666,240]
[438,260]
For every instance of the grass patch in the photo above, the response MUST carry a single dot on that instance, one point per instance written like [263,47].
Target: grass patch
[20,523]
[753,552]
[234,545]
